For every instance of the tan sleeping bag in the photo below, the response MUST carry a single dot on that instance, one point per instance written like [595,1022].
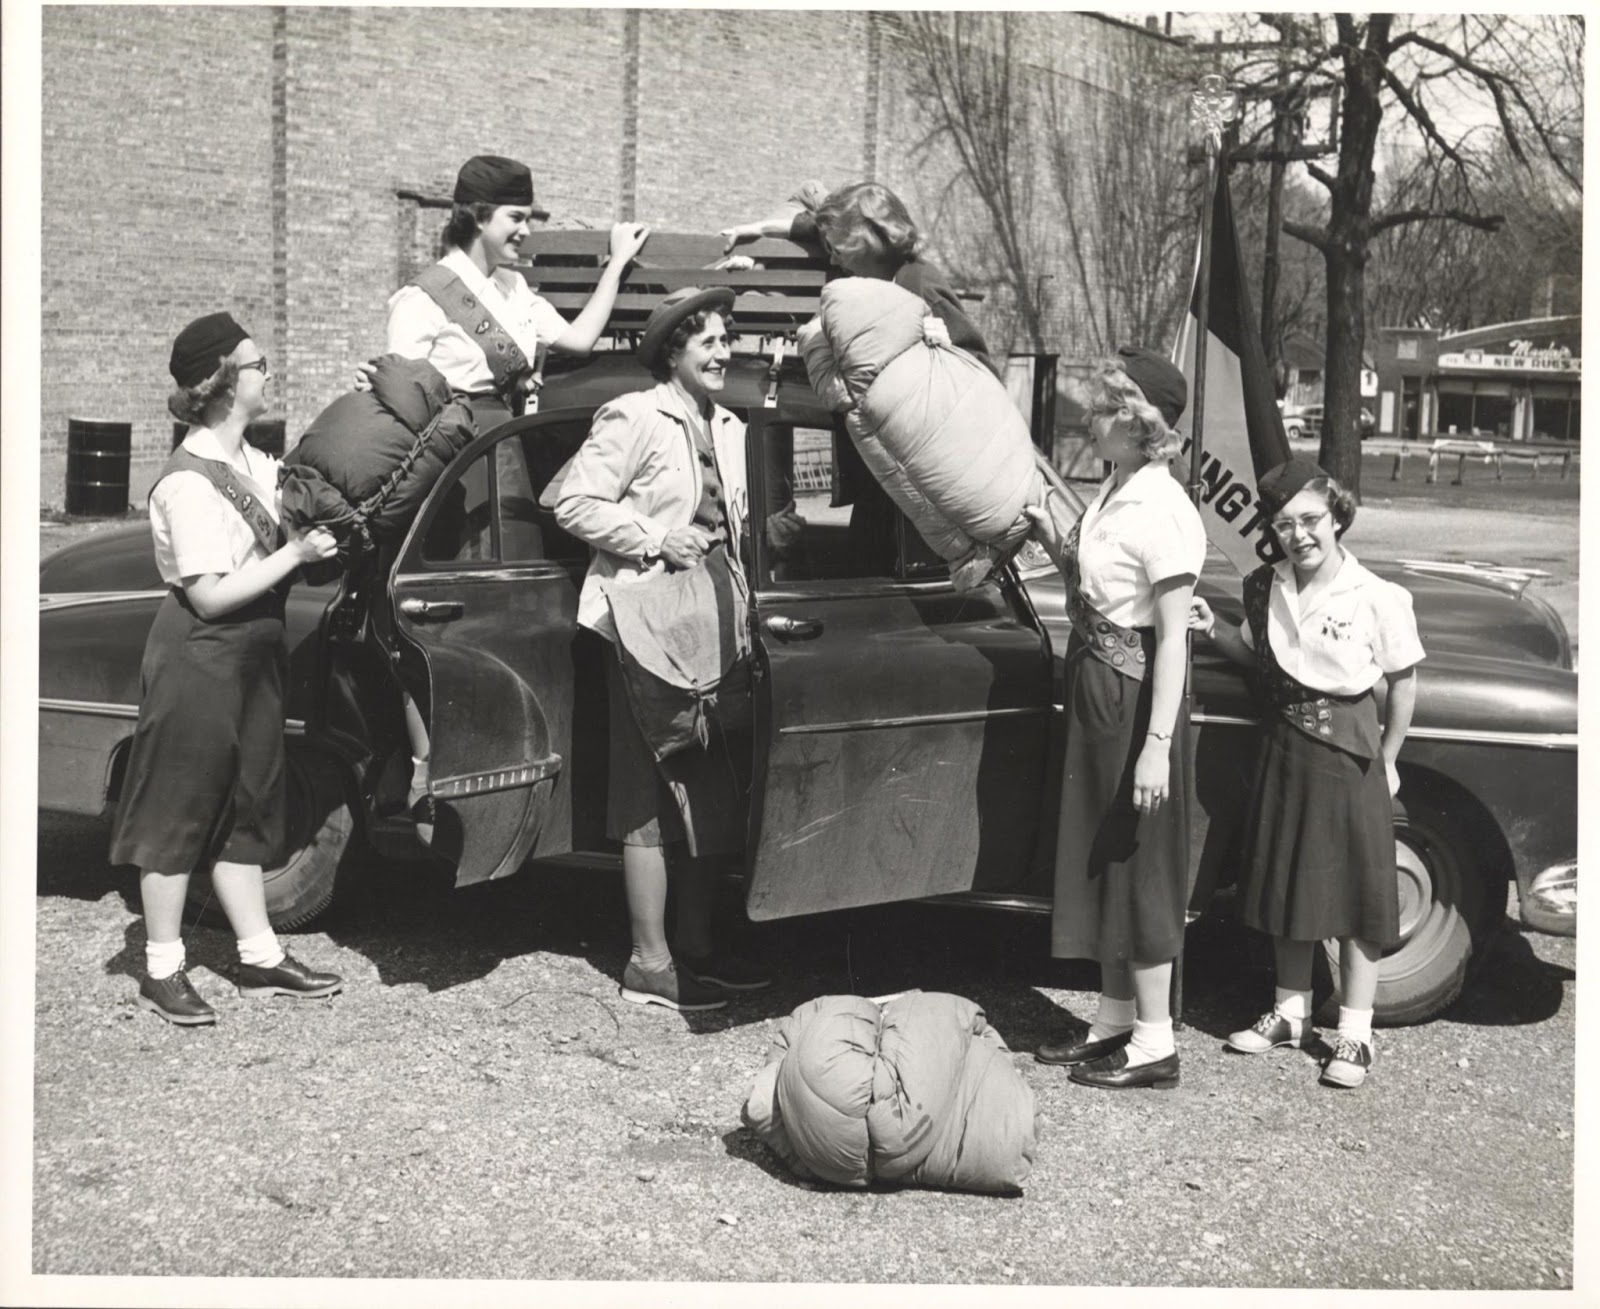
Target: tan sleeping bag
[934,425]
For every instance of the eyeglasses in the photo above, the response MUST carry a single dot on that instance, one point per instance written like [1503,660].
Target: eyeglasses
[1307,523]
[259,364]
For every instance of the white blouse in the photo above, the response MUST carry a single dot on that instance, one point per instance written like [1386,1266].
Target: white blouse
[196,529]
[420,329]
[1359,629]
[1145,533]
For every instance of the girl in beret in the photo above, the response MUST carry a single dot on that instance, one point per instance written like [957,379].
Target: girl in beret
[1322,632]
[1122,853]
[204,787]
[478,322]
[658,484]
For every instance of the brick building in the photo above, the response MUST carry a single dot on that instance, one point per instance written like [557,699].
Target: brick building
[285,162]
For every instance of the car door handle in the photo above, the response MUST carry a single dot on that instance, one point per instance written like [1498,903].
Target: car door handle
[432,611]
[793,629]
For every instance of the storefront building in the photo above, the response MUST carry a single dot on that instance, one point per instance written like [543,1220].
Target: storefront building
[1509,382]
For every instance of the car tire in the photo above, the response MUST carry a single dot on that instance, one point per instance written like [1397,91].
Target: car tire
[1446,912]
[321,845]
[1292,431]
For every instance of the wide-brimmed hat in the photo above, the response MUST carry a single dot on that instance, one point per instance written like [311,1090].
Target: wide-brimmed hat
[672,310]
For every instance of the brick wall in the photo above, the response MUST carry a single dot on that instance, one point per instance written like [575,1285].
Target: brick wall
[252,158]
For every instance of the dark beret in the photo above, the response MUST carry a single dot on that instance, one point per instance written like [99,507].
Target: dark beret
[496,180]
[201,347]
[1161,380]
[1280,484]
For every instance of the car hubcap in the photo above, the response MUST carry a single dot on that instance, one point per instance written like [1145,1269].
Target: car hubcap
[1416,888]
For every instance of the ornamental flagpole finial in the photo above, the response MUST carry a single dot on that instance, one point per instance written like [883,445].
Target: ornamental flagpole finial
[1212,106]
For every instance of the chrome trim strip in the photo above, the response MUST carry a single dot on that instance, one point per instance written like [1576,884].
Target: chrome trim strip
[128,712]
[534,571]
[1465,735]
[496,779]
[1536,740]
[919,720]
[78,599]
[869,592]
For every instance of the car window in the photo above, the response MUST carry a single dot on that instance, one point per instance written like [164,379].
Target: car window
[501,508]
[809,535]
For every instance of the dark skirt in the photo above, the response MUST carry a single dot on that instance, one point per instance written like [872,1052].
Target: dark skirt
[205,776]
[1319,843]
[700,796]
[488,412]
[1122,877]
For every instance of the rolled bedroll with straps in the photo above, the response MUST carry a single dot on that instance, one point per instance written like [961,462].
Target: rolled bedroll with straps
[936,428]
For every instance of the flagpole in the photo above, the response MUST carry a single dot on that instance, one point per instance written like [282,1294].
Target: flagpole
[1213,105]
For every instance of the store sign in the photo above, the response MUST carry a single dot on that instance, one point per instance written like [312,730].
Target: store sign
[1528,361]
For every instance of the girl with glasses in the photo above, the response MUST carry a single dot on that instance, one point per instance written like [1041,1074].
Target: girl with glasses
[1322,632]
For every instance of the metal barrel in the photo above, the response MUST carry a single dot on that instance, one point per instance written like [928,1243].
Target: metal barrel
[98,454]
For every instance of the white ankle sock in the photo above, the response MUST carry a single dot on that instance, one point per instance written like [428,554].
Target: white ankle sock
[163,958]
[1151,1041]
[261,950]
[1293,1005]
[1112,1018]
[1356,1024]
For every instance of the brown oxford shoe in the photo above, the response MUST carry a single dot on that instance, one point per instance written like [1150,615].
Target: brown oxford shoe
[1113,1074]
[1078,1048]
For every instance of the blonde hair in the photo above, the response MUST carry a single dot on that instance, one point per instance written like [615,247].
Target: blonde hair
[868,215]
[1110,388]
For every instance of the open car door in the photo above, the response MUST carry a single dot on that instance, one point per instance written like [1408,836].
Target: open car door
[902,730]
[476,592]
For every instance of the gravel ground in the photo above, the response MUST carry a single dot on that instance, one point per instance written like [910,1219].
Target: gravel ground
[480,1103]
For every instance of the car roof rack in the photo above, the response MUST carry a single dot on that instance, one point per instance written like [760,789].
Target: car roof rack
[772,299]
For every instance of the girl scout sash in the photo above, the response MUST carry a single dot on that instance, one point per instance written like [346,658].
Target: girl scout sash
[1128,650]
[1349,722]
[268,531]
[507,363]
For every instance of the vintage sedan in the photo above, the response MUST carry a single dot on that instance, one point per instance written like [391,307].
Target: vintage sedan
[906,739]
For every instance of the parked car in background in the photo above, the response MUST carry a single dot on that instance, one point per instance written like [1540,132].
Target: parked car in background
[906,739]
[1302,421]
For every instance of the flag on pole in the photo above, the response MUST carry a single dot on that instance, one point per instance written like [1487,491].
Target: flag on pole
[1241,429]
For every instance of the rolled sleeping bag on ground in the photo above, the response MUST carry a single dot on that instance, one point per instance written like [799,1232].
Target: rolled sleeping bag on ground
[936,427]
[920,1090]
[371,457]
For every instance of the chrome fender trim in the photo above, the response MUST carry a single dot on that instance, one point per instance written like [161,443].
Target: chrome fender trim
[130,712]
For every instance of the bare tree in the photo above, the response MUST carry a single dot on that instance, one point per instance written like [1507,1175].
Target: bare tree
[973,88]
[1127,206]
[1392,71]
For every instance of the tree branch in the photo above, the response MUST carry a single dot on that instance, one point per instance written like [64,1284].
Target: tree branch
[1309,235]
[1484,222]
[1422,118]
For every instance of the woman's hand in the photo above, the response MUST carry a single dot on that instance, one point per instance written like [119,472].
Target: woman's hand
[734,264]
[684,547]
[364,374]
[1201,619]
[738,234]
[936,332]
[1047,531]
[626,241]
[1152,775]
[316,544]
[1393,774]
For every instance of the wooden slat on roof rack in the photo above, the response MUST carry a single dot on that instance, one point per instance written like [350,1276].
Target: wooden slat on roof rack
[773,299]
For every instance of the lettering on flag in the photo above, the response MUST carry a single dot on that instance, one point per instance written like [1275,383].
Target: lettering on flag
[1241,431]
[1234,521]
